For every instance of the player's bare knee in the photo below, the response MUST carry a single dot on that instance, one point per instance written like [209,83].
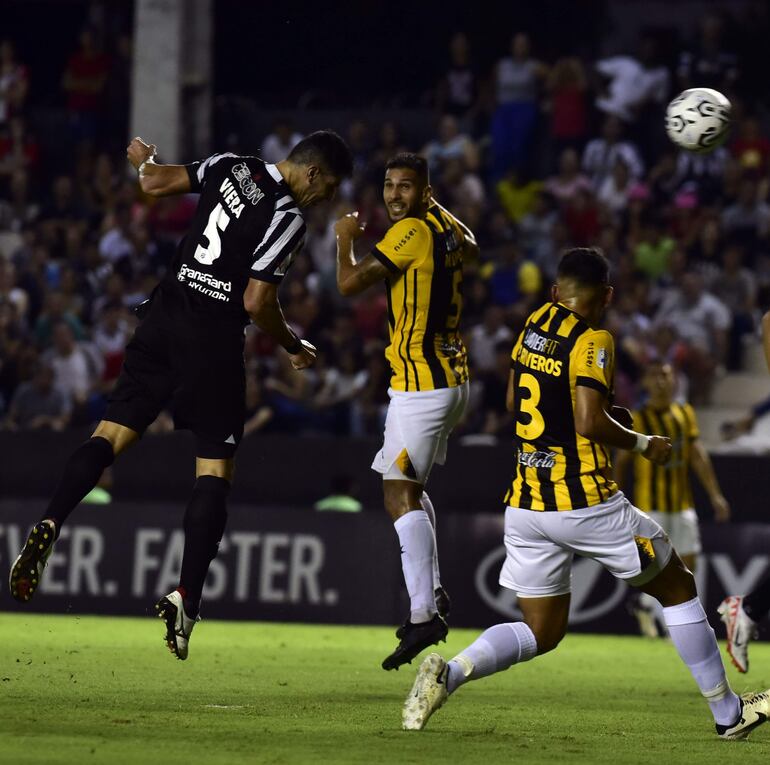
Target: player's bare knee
[400,497]
[119,436]
[682,588]
[215,467]
[547,638]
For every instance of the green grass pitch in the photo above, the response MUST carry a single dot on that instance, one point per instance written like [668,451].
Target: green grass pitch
[105,690]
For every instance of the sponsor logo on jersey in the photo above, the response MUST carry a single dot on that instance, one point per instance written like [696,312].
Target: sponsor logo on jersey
[249,189]
[537,459]
[404,239]
[540,343]
[590,353]
[204,283]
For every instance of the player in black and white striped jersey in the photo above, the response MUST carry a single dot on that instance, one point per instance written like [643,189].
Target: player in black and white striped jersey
[188,349]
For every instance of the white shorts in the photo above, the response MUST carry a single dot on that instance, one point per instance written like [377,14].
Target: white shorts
[682,529]
[540,546]
[417,427]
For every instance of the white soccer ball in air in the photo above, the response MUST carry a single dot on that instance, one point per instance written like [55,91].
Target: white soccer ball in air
[698,119]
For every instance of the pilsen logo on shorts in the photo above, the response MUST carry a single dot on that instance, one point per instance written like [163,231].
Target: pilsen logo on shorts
[537,459]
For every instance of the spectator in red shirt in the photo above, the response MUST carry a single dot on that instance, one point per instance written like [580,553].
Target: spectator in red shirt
[14,82]
[567,84]
[84,82]
[751,148]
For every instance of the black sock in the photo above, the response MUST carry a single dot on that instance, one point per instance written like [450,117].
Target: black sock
[82,472]
[757,603]
[204,524]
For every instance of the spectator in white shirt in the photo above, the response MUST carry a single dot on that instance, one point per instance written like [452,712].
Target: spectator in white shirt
[483,338]
[613,193]
[601,154]
[702,322]
[280,142]
[74,372]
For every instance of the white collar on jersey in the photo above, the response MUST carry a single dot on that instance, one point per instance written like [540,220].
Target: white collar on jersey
[274,172]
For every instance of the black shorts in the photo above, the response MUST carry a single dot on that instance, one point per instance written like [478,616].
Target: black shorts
[199,375]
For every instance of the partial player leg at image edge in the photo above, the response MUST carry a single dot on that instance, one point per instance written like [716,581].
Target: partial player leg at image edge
[741,630]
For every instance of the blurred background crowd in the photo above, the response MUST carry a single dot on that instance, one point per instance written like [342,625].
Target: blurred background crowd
[535,148]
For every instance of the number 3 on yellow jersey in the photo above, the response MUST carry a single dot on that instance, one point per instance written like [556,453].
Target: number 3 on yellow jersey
[536,425]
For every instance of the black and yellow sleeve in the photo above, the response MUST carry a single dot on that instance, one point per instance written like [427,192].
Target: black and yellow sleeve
[593,357]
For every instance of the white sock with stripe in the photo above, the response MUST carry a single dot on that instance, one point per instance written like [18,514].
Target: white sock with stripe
[418,548]
[427,506]
[494,650]
[697,646]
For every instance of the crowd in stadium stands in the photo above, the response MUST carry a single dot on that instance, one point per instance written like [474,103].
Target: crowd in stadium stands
[534,156]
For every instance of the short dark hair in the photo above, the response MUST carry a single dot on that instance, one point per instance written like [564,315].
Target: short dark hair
[411,161]
[326,149]
[585,265]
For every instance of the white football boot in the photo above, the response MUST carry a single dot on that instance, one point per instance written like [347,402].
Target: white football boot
[741,630]
[179,625]
[755,710]
[428,693]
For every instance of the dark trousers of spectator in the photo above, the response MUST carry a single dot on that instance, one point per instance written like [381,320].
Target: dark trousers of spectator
[743,324]
[513,126]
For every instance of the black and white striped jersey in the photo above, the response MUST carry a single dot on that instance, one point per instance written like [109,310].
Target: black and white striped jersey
[246,225]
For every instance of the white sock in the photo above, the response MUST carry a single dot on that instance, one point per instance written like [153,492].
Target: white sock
[697,646]
[418,547]
[427,506]
[494,650]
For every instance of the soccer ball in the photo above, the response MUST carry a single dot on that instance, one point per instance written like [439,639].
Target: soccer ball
[698,120]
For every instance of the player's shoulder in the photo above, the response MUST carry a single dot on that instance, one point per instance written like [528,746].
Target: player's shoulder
[407,231]
[538,313]
[601,337]
[687,410]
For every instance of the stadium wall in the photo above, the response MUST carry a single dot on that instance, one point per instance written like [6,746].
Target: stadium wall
[286,470]
[295,564]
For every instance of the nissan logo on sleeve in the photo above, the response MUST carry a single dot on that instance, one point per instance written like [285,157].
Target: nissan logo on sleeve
[591,598]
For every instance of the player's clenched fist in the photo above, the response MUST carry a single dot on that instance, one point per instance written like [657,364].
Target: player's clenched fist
[658,450]
[349,226]
[305,358]
[138,151]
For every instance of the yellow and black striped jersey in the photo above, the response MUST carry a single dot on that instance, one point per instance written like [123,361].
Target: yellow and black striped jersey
[556,468]
[666,488]
[424,257]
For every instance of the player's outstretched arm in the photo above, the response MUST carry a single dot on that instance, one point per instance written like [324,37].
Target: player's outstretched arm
[155,179]
[700,462]
[593,422]
[354,277]
[261,303]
